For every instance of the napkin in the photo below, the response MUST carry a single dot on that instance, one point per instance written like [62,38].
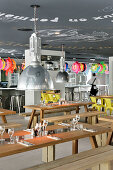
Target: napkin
[64,124]
[89,130]
[25,143]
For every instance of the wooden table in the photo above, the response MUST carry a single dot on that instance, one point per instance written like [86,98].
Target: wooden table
[106,96]
[4,112]
[54,107]
[49,144]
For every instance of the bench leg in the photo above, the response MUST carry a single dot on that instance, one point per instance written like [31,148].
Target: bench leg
[31,119]
[92,120]
[74,146]
[48,153]
[41,115]
[102,140]
[4,119]
[35,120]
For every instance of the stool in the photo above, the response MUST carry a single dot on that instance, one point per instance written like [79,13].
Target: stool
[84,96]
[76,94]
[16,101]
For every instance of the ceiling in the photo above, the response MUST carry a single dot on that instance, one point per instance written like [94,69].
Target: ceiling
[85,27]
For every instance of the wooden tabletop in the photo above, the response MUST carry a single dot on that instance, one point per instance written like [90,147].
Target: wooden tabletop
[105,96]
[39,142]
[71,116]
[4,112]
[50,107]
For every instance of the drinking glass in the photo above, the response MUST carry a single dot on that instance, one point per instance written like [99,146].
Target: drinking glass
[11,132]
[45,124]
[2,130]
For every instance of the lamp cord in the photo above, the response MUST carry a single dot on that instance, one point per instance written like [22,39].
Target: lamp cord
[35,23]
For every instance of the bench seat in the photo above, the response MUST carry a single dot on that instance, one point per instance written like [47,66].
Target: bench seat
[83,160]
[71,116]
[11,125]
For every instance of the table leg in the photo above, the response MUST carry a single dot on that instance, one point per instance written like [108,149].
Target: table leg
[109,139]
[74,146]
[86,108]
[93,142]
[41,115]
[48,153]
[31,119]
[77,109]
[4,119]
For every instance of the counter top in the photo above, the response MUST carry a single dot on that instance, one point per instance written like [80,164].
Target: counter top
[8,88]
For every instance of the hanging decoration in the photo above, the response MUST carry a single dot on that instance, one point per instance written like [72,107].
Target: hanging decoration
[23,66]
[79,67]
[100,68]
[7,65]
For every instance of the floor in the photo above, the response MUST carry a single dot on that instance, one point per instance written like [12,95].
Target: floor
[28,159]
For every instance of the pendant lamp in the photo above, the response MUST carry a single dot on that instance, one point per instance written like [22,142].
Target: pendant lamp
[62,75]
[35,77]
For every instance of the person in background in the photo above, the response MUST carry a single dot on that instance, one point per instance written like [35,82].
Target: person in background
[92,82]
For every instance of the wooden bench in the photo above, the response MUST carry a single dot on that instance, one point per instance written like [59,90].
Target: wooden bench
[106,118]
[90,115]
[11,125]
[97,158]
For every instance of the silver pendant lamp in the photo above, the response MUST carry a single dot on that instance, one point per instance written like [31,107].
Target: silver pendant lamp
[35,77]
[62,75]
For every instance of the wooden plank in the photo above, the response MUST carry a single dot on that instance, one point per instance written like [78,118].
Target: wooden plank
[109,139]
[11,125]
[41,115]
[6,112]
[38,107]
[105,96]
[51,153]
[45,154]
[74,146]
[31,119]
[106,118]
[66,117]
[4,119]
[81,161]
[93,142]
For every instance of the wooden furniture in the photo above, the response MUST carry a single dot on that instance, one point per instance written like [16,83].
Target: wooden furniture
[3,114]
[91,117]
[42,109]
[11,125]
[106,118]
[49,144]
[81,161]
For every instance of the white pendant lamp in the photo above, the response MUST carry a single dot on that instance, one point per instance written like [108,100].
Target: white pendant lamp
[62,75]
[35,77]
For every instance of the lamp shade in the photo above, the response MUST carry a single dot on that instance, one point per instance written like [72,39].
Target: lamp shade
[35,77]
[62,76]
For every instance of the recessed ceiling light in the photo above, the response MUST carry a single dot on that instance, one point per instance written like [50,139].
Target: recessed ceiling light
[93,59]
[57,33]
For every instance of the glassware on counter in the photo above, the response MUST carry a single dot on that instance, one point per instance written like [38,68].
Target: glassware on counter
[11,132]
